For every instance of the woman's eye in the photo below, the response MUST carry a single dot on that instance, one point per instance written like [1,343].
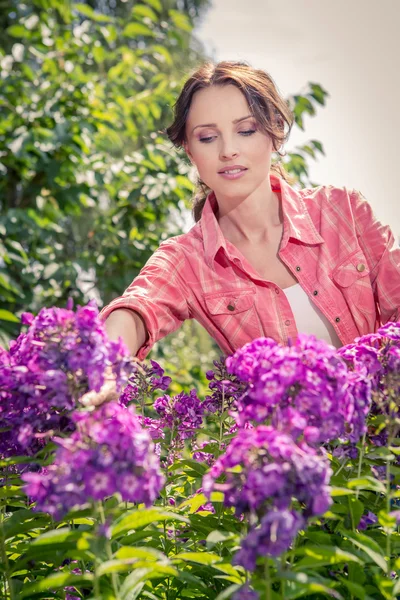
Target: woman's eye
[248,132]
[208,139]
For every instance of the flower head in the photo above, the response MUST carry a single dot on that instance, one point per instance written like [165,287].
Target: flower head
[109,452]
[271,537]
[63,355]
[302,389]
[264,468]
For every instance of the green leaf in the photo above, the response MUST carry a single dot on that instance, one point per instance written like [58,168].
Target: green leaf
[6,315]
[180,20]
[323,555]
[301,584]
[18,31]
[56,537]
[369,547]
[194,503]
[156,4]
[87,11]
[141,10]
[142,517]
[356,511]
[228,592]
[133,30]
[340,491]
[318,146]
[144,574]
[55,581]
[318,93]
[23,521]
[201,558]
[355,589]
[366,483]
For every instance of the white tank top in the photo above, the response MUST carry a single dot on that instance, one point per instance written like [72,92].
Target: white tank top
[309,319]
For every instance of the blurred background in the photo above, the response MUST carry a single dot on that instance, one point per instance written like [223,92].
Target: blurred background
[89,185]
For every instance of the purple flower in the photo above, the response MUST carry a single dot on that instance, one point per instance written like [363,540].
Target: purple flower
[63,355]
[264,468]
[143,382]
[369,519]
[183,413]
[246,593]
[304,389]
[109,452]
[271,537]
[226,388]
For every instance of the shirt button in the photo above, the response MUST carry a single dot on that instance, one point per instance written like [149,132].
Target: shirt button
[287,322]
[315,292]
[276,291]
[337,319]
[360,267]
[298,269]
[230,307]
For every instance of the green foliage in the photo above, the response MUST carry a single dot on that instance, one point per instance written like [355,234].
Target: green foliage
[86,183]
[88,186]
[186,550]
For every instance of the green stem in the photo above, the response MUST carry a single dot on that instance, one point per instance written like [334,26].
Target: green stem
[267,580]
[221,420]
[4,557]
[389,532]
[360,459]
[114,576]
[96,586]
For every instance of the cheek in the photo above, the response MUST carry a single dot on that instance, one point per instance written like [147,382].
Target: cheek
[204,158]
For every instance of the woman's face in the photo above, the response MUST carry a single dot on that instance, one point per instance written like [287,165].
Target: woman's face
[221,133]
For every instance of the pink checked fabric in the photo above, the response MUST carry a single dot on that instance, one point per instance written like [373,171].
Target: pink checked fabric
[347,262]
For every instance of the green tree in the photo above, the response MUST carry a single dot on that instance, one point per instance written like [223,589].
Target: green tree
[88,186]
[86,182]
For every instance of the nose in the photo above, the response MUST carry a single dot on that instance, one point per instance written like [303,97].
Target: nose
[228,151]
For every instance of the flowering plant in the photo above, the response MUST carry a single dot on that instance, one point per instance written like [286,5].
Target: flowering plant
[279,481]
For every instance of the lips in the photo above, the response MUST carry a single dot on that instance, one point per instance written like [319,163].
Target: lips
[232,168]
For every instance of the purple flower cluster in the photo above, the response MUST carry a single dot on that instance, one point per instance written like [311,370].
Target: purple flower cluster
[63,355]
[377,357]
[261,473]
[264,468]
[271,537]
[109,452]
[143,382]
[304,389]
[182,414]
[226,388]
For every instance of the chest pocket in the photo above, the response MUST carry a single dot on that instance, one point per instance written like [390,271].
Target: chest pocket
[352,277]
[233,313]
[230,303]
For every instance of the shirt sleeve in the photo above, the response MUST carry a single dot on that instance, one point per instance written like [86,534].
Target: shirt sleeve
[383,255]
[158,294]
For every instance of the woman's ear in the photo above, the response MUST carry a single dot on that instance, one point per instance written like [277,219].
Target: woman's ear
[186,148]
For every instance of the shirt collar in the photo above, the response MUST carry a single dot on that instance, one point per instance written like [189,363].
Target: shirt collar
[297,222]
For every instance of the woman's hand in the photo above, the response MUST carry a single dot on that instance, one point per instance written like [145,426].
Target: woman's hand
[107,393]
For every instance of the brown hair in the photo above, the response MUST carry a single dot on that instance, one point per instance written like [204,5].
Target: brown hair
[270,109]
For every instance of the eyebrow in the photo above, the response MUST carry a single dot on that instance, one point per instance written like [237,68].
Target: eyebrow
[215,125]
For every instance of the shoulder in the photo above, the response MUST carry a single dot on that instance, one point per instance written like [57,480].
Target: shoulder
[326,194]
[333,198]
[183,243]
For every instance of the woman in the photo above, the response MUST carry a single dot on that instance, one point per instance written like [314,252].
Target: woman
[262,258]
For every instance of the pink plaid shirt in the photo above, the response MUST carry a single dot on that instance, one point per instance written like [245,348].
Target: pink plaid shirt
[347,262]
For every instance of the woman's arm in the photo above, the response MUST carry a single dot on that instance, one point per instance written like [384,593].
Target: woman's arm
[128,325]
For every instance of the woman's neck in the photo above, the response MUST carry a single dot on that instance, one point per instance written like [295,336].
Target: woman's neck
[251,220]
